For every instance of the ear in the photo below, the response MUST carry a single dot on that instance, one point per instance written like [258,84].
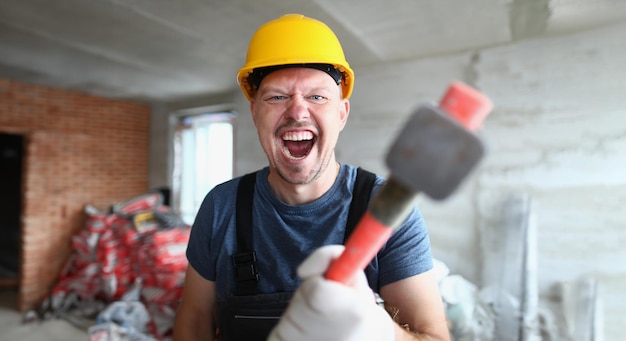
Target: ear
[344,112]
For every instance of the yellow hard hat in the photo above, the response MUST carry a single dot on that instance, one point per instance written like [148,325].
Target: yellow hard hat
[294,40]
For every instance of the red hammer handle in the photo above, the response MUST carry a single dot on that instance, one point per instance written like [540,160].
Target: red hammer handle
[361,247]
[392,204]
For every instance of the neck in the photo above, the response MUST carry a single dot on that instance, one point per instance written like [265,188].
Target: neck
[298,194]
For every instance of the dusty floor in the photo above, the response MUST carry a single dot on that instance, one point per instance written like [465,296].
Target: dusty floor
[12,328]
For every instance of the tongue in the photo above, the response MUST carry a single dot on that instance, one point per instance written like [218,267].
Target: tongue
[298,148]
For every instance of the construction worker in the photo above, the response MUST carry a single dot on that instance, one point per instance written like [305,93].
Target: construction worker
[263,241]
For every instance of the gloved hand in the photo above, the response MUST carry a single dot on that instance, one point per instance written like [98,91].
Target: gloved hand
[322,309]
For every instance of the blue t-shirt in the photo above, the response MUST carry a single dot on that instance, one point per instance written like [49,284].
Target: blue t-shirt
[284,235]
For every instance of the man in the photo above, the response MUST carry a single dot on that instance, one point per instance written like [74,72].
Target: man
[298,83]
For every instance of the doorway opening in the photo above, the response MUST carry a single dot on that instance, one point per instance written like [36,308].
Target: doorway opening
[11,157]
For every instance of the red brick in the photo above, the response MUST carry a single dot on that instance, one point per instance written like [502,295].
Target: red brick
[79,149]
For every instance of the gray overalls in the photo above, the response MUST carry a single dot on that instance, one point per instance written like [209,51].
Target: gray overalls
[246,315]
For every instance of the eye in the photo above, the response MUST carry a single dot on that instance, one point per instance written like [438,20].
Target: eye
[318,98]
[275,98]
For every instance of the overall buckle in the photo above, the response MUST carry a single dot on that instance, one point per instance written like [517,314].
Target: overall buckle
[245,266]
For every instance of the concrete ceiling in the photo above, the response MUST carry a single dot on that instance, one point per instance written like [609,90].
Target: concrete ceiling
[174,51]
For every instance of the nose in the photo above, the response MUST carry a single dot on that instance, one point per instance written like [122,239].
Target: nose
[297,109]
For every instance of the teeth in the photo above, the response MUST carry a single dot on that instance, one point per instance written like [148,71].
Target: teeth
[298,136]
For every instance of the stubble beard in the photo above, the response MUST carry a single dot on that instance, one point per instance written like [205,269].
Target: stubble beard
[313,175]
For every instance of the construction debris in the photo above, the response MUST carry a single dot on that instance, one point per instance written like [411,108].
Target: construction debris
[125,276]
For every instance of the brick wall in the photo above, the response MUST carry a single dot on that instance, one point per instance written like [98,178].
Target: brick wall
[79,149]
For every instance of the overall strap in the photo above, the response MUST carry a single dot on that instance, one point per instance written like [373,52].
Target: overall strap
[246,274]
[361,193]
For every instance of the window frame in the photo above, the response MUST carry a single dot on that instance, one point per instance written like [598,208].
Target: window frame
[181,121]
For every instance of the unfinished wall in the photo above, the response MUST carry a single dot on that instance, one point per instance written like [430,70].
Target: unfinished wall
[558,133]
[79,149]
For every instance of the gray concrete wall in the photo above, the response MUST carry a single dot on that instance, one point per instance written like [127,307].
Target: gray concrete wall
[161,135]
[558,133]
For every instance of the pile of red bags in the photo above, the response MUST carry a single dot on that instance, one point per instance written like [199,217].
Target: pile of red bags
[137,247]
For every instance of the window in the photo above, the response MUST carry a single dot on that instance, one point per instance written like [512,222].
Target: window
[203,158]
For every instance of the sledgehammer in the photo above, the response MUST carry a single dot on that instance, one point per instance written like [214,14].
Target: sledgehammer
[432,154]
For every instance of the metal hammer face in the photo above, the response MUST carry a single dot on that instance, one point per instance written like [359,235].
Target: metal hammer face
[433,153]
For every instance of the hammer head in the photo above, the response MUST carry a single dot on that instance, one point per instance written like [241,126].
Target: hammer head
[433,153]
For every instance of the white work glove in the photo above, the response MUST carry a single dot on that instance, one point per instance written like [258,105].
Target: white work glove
[326,310]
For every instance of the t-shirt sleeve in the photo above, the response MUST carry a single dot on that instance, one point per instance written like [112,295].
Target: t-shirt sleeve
[199,246]
[407,253]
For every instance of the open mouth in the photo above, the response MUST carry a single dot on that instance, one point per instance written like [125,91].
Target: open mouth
[298,144]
